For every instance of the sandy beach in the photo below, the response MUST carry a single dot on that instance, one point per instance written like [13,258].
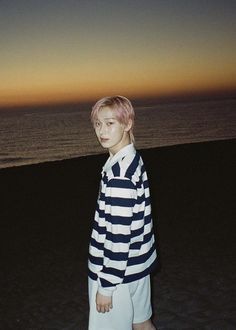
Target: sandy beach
[46,214]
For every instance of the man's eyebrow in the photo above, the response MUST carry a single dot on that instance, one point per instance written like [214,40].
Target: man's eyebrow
[106,118]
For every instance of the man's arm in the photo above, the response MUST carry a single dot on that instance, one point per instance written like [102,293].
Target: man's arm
[120,198]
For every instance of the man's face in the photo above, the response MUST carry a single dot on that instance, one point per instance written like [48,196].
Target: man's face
[111,134]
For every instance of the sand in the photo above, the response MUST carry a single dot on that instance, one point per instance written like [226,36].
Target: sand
[46,214]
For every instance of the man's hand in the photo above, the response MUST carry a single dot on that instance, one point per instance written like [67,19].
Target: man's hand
[103,303]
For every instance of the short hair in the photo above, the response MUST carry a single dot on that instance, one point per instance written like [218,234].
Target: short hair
[122,108]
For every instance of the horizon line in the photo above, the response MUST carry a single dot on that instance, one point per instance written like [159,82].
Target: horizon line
[150,99]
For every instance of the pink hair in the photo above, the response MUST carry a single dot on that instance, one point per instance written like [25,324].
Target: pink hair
[122,107]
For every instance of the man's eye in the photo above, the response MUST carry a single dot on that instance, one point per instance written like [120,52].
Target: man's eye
[110,123]
[97,124]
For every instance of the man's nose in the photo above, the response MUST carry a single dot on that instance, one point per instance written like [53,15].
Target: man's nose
[102,129]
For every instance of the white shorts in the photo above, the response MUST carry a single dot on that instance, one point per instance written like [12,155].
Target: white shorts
[131,304]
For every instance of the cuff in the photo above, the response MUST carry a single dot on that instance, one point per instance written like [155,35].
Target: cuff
[105,292]
[108,291]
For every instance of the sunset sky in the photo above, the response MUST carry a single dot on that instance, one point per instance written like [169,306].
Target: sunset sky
[68,50]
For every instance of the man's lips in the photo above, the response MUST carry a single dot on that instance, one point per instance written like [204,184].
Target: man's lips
[104,139]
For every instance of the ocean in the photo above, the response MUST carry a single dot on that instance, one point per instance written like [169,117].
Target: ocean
[32,136]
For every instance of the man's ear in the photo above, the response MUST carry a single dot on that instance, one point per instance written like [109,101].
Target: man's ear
[128,126]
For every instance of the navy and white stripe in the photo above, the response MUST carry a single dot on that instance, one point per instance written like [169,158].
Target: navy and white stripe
[122,247]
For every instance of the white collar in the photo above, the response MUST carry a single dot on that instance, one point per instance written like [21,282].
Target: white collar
[127,150]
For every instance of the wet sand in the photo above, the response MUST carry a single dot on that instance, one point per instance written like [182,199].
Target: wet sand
[46,214]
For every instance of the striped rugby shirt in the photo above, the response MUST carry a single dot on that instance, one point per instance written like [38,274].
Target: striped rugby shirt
[122,247]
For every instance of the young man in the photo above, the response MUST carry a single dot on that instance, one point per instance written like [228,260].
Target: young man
[122,249]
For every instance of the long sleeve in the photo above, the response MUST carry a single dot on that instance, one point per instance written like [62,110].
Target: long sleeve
[119,200]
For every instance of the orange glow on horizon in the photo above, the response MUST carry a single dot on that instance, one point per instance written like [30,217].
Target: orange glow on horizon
[63,96]
[144,76]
